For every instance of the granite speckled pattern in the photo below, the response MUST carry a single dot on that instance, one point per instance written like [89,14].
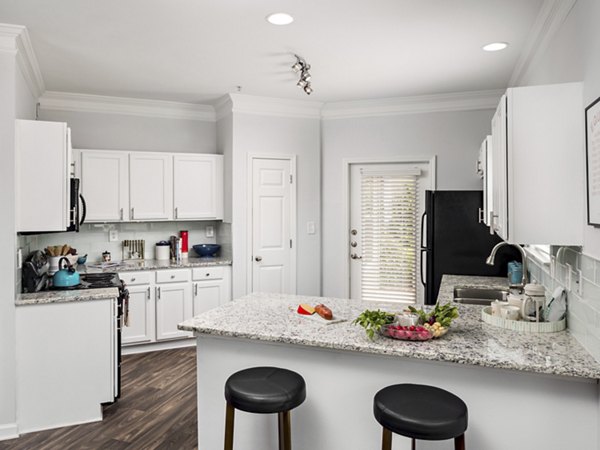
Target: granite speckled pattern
[272,317]
[154,264]
[76,295]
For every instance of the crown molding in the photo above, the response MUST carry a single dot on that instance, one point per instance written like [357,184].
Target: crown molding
[549,20]
[269,106]
[223,107]
[462,101]
[15,39]
[68,101]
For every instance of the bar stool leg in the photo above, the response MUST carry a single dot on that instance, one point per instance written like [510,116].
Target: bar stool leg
[386,439]
[285,434]
[459,442]
[413,444]
[229,417]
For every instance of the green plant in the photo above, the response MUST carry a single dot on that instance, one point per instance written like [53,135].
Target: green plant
[372,321]
[444,314]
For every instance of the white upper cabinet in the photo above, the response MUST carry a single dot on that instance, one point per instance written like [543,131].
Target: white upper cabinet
[537,147]
[150,186]
[484,169]
[105,184]
[42,182]
[198,186]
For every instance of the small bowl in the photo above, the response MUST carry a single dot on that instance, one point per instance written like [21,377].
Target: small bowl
[403,334]
[204,250]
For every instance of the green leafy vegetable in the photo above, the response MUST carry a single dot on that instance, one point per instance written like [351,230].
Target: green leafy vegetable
[372,321]
[444,314]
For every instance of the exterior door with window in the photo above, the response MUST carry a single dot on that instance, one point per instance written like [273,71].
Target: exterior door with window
[386,201]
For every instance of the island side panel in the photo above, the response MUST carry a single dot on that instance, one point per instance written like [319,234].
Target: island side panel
[507,409]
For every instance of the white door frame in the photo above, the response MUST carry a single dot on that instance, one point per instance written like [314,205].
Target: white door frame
[249,221]
[347,163]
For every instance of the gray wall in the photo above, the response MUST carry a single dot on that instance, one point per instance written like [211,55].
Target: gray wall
[455,137]
[278,135]
[125,132]
[573,55]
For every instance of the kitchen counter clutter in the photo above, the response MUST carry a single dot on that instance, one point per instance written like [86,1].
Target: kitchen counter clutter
[272,318]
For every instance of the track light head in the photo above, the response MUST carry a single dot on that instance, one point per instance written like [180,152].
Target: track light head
[308,89]
[303,67]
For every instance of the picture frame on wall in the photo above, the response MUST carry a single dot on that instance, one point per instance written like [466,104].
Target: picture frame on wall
[592,162]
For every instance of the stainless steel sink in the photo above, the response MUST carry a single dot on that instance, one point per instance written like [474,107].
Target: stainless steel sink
[478,296]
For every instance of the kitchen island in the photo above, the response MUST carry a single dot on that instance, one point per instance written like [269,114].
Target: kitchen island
[523,391]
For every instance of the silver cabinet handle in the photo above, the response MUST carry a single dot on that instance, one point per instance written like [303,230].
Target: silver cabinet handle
[158,292]
[196,289]
[148,293]
[355,256]
[132,212]
[481,215]
[176,212]
[258,259]
[492,222]
[121,214]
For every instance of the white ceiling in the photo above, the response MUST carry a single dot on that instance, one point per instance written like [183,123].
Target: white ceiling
[197,50]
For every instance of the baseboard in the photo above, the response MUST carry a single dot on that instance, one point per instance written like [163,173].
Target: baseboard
[63,425]
[9,431]
[157,346]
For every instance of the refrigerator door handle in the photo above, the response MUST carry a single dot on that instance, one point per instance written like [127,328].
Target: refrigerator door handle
[423,230]
[423,253]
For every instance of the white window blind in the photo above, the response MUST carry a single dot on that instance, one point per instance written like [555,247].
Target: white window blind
[389,235]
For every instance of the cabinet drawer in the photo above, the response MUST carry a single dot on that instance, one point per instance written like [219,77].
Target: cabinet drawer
[135,278]
[207,273]
[172,276]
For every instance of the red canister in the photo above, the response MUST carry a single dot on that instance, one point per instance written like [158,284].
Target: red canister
[183,234]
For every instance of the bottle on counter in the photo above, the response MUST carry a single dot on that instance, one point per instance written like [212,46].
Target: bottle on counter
[183,234]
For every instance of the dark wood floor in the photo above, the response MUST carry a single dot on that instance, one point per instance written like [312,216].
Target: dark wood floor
[157,410]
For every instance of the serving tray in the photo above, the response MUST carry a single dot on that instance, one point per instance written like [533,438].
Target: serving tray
[522,326]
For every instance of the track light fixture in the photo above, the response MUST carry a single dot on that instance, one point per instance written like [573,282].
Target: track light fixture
[303,67]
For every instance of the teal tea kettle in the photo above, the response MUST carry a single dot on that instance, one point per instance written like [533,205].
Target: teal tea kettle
[67,276]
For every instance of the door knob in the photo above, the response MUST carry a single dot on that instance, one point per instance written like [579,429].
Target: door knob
[258,259]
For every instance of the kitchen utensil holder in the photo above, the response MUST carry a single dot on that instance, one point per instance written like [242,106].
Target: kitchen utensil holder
[135,246]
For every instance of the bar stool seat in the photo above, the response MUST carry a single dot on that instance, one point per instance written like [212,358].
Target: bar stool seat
[421,412]
[264,390]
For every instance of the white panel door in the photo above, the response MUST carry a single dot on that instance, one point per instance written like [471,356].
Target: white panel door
[271,226]
[208,295]
[150,186]
[141,315]
[499,210]
[198,186]
[173,306]
[104,185]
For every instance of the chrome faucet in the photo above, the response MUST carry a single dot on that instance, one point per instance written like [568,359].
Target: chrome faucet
[490,262]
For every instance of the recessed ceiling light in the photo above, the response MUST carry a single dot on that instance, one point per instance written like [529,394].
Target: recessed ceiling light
[280,19]
[495,46]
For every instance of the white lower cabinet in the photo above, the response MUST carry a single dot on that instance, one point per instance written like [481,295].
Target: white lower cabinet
[160,300]
[173,306]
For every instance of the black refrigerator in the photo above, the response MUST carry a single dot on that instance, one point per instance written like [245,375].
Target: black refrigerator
[454,242]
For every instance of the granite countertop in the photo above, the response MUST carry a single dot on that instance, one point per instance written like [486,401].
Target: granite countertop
[154,264]
[272,317]
[76,295]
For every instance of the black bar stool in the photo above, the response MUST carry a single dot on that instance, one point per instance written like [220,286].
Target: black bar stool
[420,412]
[264,390]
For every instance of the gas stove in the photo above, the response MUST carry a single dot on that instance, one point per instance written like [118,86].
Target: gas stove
[94,281]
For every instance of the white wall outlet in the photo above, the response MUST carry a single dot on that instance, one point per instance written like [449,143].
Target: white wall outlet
[113,236]
[210,231]
[310,227]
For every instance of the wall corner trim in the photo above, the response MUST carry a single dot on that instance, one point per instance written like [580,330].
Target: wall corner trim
[459,101]
[15,39]
[9,431]
[552,15]
[69,101]
[270,106]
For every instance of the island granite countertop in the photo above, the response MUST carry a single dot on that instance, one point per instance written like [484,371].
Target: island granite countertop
[272,317]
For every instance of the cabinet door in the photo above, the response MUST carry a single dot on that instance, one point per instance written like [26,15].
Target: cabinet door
[104,185]
[173,306]
[150,186]
[198,186]
[42,179]
[208,295]
[141,316]
[499,208]
[488,176]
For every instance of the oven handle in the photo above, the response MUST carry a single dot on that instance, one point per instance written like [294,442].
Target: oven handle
[83,209]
